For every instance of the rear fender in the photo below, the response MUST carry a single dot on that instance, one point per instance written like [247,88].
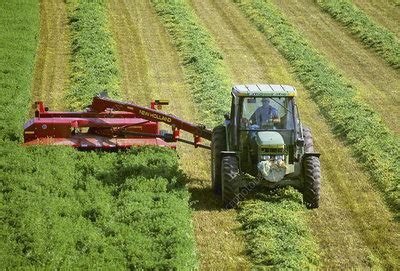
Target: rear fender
[229,153]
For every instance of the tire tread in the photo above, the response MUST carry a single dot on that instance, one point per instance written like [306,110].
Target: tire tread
[230,181]
[218,144]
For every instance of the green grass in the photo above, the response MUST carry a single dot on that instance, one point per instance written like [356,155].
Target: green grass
[61,208]
[67,209]
[19,35]
[276,233]
[287,244]
[202,62]
[370,33]
[93,60]
[151,204]
[376,146]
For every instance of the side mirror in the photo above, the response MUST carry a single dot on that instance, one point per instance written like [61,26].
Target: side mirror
[300,142]
[227,116]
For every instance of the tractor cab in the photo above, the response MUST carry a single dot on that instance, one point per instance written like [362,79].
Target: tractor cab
[262,136]
[268,128]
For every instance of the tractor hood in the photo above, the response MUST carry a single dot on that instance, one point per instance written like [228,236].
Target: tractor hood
[270,139]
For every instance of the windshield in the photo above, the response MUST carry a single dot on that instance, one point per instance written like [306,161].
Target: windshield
[266,113]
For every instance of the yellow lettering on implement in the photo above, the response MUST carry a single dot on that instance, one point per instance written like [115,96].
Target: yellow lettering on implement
[137,127]
[155,116]
[29,132]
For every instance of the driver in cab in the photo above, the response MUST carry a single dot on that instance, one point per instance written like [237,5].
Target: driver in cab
[265,116]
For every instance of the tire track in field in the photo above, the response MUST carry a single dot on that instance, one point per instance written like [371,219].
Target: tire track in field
[383,12]
[52,61]
[146,54]
[353,225]
[375,81]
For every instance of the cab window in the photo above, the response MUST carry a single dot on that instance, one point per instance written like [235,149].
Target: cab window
[265,113]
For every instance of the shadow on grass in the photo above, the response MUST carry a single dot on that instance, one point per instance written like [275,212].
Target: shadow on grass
[202,196]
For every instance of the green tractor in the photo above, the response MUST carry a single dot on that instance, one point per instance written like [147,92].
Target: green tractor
[263,137]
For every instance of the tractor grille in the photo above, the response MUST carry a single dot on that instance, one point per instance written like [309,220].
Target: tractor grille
[279,150]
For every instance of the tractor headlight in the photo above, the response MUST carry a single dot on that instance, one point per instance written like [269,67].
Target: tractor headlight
[279,158]
[276,158]
[265,157]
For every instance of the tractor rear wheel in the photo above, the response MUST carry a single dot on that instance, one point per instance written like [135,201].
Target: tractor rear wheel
[311,181]
[218,144]
[311,173]
[308,140]
[230,181]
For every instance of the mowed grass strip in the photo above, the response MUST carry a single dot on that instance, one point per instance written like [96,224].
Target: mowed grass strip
[287,244]
[370,33]
[202,62]
[19,35]
[93,59]
[377,147]
[67,209]
[276,233]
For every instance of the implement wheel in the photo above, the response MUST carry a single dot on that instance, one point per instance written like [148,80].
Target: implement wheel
[218,144]
[230,181]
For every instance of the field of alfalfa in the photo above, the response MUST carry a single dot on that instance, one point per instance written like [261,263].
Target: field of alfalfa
[152,208]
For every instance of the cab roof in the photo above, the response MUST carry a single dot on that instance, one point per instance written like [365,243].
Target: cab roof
[264,90]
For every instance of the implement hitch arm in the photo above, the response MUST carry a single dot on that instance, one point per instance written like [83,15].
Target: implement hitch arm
[100,104]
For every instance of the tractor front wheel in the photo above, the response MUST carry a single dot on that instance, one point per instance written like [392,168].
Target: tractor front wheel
[218,144]
[230,181]
[311,181]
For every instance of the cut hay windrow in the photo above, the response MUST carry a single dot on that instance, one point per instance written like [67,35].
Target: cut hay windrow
[19,36]
[276,233]
[269,245]
[202,62]
[93,57]
[377,147]
[370,33]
